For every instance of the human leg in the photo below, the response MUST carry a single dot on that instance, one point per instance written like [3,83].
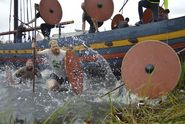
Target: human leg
[53,82]
[92,29]
[100,24]
[46,29]
[155,11]
[141,4]
[53,85]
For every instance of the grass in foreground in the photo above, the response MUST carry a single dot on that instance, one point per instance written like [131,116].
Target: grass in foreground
[170,110]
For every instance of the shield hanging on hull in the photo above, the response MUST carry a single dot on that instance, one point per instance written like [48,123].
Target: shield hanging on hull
[116,20]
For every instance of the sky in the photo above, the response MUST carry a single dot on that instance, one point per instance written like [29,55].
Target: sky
[72,11]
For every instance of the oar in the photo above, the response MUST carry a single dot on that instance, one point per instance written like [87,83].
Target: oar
[37,28]
[112,90]
[179,52]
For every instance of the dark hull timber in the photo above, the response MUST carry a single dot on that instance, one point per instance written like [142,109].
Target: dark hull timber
[112,45]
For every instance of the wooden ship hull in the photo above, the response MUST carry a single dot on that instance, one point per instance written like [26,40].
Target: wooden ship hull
[112,45]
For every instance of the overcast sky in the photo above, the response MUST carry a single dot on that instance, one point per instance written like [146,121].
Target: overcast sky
[72,11]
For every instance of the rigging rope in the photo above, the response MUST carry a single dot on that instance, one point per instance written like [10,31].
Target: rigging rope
[27,9]
[29,37]
[20,14]
[24,12]
[10,17]
[124,3]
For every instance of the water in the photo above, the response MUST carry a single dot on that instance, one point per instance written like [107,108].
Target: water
[20,100]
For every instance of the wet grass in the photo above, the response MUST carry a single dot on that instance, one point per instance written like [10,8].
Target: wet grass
[170,110]
[6,118]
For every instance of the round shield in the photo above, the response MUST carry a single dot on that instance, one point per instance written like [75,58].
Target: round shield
[147,15]
[151,69]
[99,10]
[116,20]
[51,11]
[74,72]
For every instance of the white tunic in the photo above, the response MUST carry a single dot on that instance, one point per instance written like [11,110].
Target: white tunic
[56,62]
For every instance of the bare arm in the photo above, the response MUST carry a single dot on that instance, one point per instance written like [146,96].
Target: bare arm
[19,72]
[43,52]
[33,20]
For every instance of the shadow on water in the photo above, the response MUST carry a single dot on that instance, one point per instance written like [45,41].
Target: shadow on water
[98,80]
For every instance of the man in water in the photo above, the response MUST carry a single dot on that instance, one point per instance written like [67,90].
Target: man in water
[27,72]
[93,24]
[45,28]
[55,57]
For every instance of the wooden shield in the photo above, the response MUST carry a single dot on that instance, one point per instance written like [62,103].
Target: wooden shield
[116,20]
[99,10]
[74,72]
[51,11]
[147,15]
[151,69]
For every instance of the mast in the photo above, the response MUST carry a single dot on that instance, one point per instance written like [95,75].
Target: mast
[15,17]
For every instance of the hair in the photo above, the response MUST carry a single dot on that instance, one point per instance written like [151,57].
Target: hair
[83,5]
[52,42]
[127,19]
[166,11]
[29,60]
[37,6]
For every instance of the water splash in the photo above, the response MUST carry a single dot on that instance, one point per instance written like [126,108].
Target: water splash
[98,80]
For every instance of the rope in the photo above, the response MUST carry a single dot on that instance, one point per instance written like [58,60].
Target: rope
[26,24]
[179,52]
[24,11]
[124,3]
[20,10]
[167,24]
[31,12]
[31,9]
[10,17]
[27,15]
[112,90]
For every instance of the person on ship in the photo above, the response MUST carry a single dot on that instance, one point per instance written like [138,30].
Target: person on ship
[45,28]
[19,33]
[150,4]
[94,25]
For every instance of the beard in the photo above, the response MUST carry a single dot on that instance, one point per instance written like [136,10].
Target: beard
[56,51]
[29,68]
